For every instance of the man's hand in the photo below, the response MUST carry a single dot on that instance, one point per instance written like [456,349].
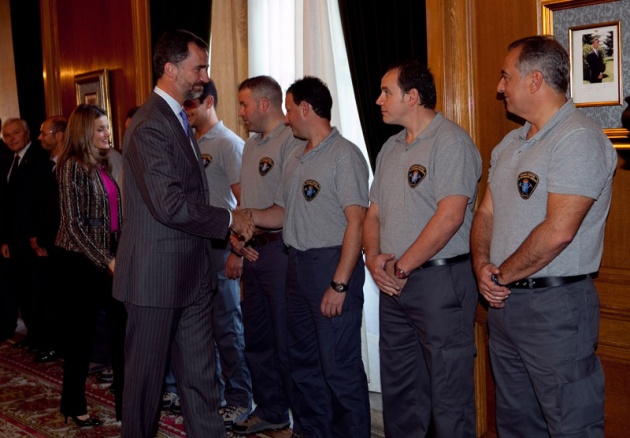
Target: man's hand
[400,282]
[332,303]
[386,281]
[242,224]
[239,248]
[494,294]
[39,251]
[234,266]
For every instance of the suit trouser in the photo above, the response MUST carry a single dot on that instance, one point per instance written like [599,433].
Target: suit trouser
[235,385]
[427,351]
[185,334]
[542,351]
[325,353]
[264,309]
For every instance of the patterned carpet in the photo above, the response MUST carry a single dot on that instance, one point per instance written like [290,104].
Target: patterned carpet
[29,402]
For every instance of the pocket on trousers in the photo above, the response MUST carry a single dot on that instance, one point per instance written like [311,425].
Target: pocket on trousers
[458,363]
[581,394]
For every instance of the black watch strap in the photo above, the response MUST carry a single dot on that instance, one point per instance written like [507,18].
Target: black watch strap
[339,286]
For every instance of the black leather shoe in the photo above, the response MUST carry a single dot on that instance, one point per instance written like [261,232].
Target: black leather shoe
[46,356]
[88,422]
[21,344]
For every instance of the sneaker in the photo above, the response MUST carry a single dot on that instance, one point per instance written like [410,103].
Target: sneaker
[233,414]
[168,398]
[255,424]
[106,376]
[176,407]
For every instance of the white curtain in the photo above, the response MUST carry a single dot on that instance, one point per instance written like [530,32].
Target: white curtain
[288,39]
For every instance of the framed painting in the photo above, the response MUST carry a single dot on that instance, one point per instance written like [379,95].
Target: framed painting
[595,64]
[92,88]
[576,24]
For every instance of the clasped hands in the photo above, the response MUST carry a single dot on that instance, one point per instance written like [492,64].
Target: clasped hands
[381,267]
[242,224]
[495,294]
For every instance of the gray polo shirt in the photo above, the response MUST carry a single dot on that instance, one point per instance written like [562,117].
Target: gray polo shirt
[569,155]
[317,187]
[410,179]
[221,152]
[263,161]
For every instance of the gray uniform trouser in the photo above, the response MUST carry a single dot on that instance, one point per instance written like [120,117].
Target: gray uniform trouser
[542,352]
[427,352]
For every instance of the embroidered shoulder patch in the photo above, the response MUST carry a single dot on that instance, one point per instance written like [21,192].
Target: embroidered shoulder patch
[527,182]
[416,174]
[207,159]
[264,165]
[310,189]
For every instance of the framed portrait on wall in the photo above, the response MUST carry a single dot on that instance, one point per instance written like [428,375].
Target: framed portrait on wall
[595,64]
[92,88]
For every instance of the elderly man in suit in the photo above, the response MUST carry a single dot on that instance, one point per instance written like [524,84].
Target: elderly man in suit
[165,271]
[23,176]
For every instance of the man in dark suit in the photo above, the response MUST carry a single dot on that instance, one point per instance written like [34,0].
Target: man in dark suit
[596,66]
[50,262]
[23,175]
[165,272]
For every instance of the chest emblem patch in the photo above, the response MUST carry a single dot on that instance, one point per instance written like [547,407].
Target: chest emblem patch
[207,159]
[527,182]
[310,189]
[264,165]
[416,174]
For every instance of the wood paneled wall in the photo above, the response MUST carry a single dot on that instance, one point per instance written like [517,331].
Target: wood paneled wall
[469,38]
[80,37]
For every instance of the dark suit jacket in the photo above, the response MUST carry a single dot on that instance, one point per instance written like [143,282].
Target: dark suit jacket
[19,209]
[164,251]
[595,66]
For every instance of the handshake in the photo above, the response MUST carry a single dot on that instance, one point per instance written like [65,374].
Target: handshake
[242,224]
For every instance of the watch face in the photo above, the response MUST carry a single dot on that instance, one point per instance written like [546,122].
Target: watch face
[339,287]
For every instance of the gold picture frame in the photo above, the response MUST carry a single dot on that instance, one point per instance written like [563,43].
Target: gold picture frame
[92,88]
[619,136]
[598,82]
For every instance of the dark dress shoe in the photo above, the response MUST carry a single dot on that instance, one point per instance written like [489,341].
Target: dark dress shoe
[21,344]
[88,422]
[46,356]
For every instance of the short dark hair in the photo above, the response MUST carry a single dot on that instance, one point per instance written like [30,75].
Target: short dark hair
[544,53]
[314,91]
[413,74]
[263,86]
[172,46]
[58,123]
[209,89]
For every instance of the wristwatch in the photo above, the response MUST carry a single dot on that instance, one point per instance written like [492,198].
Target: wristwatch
[399,273]
[338,286]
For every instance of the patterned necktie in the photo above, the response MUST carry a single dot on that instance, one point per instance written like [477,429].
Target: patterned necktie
[14,168]
[182,115]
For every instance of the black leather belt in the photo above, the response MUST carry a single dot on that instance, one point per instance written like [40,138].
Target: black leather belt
[442,262]
[264,238]
[540,282]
